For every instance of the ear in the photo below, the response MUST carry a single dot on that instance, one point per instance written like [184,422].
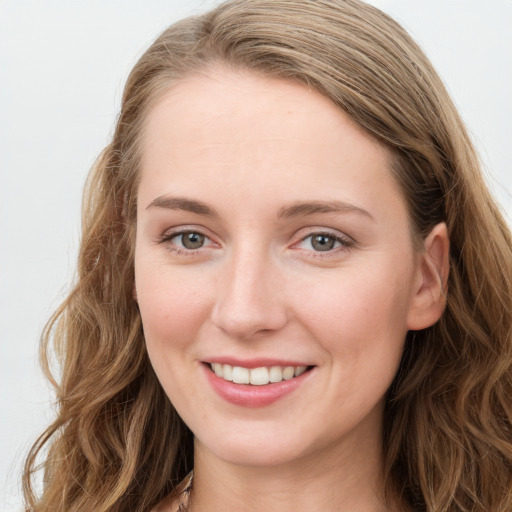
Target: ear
[430,288]
[134,293]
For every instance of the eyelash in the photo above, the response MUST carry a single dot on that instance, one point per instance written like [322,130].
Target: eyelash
[167,239]
[345,243]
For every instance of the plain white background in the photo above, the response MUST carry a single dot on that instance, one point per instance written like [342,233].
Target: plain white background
[62,69]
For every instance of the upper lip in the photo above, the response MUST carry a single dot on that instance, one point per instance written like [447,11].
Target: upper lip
[257,362]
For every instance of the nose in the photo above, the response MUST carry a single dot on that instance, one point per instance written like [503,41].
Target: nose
[249,296]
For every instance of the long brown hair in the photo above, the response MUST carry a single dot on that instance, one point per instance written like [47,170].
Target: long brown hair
[117,443]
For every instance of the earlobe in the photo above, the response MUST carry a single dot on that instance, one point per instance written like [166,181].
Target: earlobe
[429,300]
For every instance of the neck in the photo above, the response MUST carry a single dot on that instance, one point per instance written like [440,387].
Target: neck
[336,479]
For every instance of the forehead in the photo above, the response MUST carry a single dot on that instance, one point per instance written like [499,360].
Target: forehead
[264,107]
[251,133]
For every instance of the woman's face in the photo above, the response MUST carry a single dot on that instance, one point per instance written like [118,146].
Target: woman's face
[271,235]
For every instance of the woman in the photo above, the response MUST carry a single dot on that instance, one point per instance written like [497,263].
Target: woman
[292,281]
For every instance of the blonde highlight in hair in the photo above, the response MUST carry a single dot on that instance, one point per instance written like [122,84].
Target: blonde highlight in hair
[118,444]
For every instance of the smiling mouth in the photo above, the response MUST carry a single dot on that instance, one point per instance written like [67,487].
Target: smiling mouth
[257,376]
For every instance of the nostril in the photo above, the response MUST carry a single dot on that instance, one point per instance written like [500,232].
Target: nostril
[244,321]
[248,298]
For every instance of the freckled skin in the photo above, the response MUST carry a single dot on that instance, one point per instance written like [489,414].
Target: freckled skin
[249,146]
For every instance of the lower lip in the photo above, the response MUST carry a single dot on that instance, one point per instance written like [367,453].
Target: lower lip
[247,395]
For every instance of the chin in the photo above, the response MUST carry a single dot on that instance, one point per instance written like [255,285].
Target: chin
[252,450]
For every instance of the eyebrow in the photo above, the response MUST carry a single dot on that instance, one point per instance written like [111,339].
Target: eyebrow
[182,203]
[299,209]
[316,207]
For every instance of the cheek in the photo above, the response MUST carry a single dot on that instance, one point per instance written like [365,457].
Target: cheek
[359,314]
[172,305]
[172,309]
[360,323]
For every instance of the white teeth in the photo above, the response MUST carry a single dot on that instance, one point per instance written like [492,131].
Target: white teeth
[227,372]
[240,375]
[256,376]
[259,376]
[299,370]
[217,368]
[288,373]
[276,374]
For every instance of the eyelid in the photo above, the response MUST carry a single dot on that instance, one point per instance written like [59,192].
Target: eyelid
[346,241]
[169,234]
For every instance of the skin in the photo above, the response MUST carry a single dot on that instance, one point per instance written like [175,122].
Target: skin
[250,147]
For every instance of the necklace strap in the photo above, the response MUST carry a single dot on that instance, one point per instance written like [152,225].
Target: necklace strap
[184,496]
